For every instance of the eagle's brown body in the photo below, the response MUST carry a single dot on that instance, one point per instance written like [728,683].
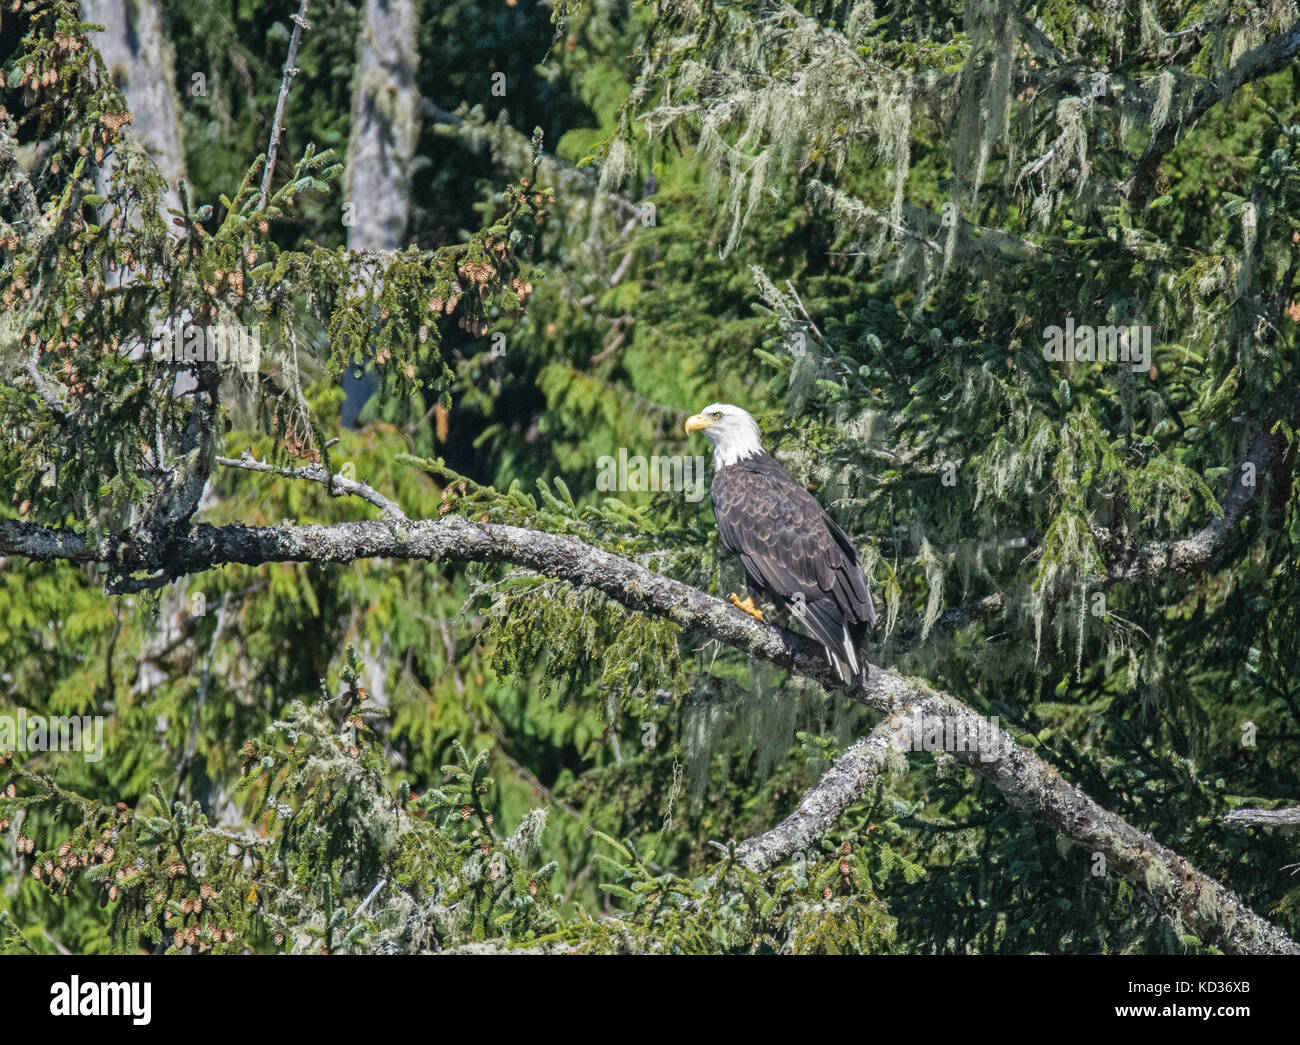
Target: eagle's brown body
[795,555]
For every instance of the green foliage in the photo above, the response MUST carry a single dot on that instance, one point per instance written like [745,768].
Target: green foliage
[864,218]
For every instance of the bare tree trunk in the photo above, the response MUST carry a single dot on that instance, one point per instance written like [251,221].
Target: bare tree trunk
[385,126]
[140,59]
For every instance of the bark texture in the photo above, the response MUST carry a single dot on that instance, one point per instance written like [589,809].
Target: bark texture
[139,57]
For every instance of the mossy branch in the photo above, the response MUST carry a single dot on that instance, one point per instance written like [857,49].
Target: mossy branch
[1269,57]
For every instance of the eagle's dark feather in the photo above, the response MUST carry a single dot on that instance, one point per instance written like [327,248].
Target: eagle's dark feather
[790,546]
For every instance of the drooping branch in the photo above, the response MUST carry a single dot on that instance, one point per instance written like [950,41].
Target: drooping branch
[1029,783]
[516,144]
[1269,453]
[1197,551]
[911,633]
[926,228]
[15,182]
[1269,57]
[43,389]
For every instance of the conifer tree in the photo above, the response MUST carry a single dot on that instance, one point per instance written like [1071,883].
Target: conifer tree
[431,687]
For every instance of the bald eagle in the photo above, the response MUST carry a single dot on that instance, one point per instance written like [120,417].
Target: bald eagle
[793,553]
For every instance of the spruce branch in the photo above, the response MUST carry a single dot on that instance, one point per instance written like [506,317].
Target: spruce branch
[925,228]
[507,139]
[914,632]
[15,182]
[851,776]
[1192,553]
[48,395]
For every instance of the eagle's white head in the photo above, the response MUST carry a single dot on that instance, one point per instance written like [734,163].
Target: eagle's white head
[733,433]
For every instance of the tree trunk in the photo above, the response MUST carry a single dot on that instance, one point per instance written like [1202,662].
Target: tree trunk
[140,60]
[385,126]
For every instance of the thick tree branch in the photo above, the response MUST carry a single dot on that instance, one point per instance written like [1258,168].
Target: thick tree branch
[1204,906]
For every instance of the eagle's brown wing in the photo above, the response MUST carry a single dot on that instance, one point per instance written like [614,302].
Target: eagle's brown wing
[794,552]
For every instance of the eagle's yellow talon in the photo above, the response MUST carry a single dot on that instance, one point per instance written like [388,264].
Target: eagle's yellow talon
[747,606]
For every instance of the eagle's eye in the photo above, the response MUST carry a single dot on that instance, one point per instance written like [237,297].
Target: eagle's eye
[717,415]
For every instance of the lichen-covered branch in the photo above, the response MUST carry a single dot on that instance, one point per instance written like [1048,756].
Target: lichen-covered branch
[337,484]
[1200,903]
[852,775]
[1269,57]
[1267,817]
[1195,552]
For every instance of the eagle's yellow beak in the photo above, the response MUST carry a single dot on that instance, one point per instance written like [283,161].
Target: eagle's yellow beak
[694,424]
